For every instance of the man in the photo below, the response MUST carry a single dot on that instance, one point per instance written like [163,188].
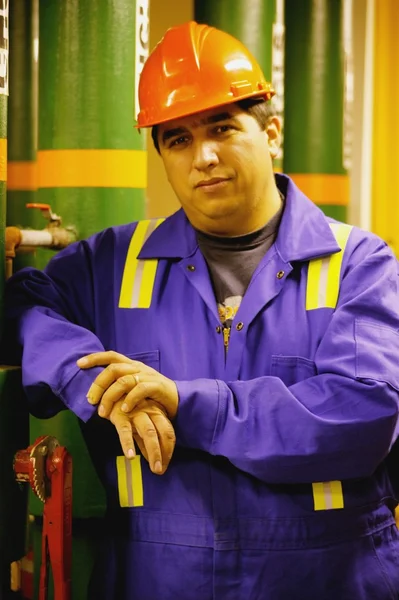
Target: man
[248,330]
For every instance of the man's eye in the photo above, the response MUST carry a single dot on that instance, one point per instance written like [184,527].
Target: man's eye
[178,141]
[223,128]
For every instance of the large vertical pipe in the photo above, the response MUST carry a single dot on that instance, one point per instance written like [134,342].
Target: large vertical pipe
[250,21]
[92,170]
[4,49]
[259,25]
[13,415]
[22,120]
[92,162]
[385,146]
[3,179]
[317,128]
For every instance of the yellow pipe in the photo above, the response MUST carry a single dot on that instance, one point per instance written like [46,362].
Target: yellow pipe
[385,207]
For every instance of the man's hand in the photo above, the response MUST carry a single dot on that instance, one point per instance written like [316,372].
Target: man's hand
[151,430]
[129,380]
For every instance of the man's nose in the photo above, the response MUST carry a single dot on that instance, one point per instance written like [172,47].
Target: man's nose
[205,154]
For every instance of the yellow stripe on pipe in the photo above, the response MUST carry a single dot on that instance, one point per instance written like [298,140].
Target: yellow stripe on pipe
[328,495]
[22,175]
[139,275]
[92,168]
[323,189]
[3,159]
[324,274]
[130,481]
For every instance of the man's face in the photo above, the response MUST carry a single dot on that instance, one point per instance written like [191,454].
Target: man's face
[218,162]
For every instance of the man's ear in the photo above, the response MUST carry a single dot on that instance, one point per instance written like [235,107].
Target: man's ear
[273,131]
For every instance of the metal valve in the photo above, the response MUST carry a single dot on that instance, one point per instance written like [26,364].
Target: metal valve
[47,467]
[53,219]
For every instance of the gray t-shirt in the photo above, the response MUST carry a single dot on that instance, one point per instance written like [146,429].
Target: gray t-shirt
[232,261]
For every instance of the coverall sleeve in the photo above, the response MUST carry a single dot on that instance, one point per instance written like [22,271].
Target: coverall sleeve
[48,326]
[338,424]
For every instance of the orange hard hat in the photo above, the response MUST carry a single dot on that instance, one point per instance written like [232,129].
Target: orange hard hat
[193,68]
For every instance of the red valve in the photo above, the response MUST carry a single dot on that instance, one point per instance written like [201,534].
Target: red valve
[39,206]
[48,468]
[46,211]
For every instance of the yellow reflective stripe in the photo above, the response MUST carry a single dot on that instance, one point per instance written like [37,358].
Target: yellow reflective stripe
[328,495]
[341,233]
[130,481]
[324,273]
[147,285]
[312,289]
[139,275]
[131,262]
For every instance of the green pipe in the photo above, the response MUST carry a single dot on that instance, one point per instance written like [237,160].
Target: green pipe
[88,56]
[22,121]
[13,414]
[253,22]
[314,93]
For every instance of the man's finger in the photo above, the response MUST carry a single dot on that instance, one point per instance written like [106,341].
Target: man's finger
[140,445]
[124,428]
[119,389]
[148,433]
[153,387]
[145,388]
[99,359]
[166,437]
[107,377]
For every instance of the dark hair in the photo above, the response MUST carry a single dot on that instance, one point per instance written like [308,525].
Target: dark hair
[259,108]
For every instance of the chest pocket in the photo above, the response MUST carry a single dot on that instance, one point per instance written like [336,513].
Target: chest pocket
[292,369]
[151,358]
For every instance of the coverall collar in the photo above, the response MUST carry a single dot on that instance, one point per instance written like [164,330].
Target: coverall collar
[304,231]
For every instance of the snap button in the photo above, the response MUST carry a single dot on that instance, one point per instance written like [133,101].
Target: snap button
[191,268]
[239,326]
[280,274]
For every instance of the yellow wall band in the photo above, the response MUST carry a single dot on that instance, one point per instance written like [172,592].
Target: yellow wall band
[22,175]
[130,481]
[3,159]
[92,168]
[328,495]
[323,188]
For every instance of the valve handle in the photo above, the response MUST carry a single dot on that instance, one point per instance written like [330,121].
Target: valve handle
[39,206]
[46,211]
